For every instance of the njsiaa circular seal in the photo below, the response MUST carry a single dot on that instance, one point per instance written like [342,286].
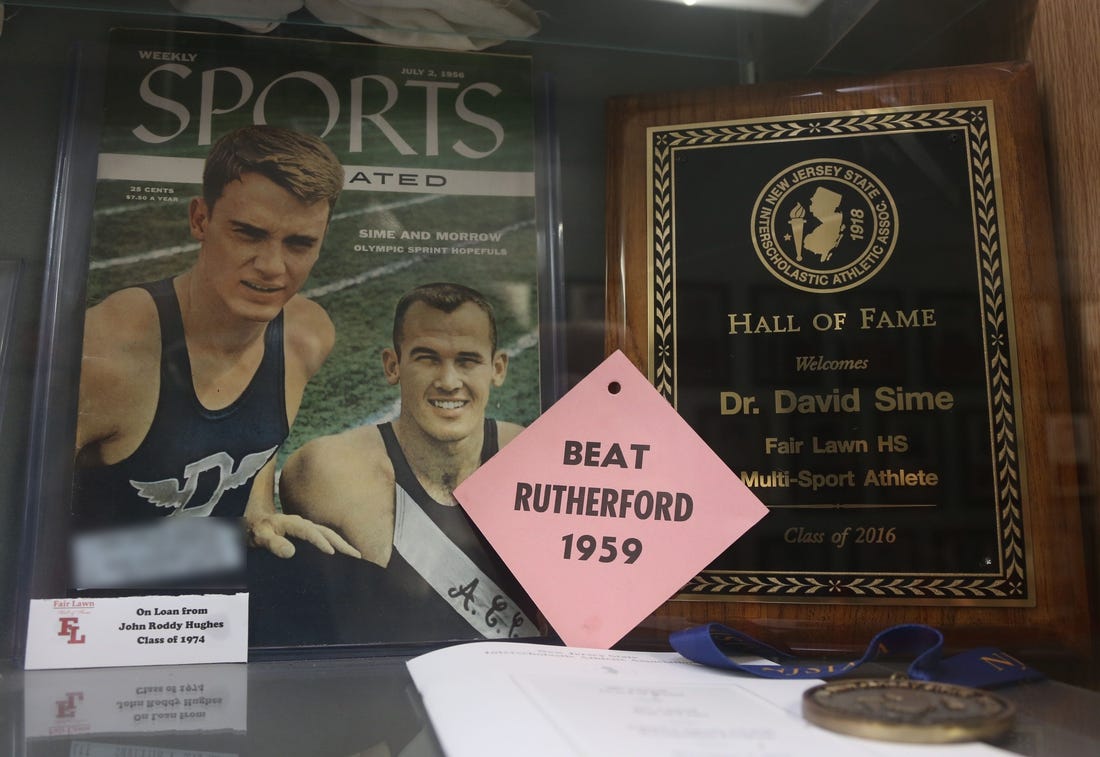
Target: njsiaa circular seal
[824,225]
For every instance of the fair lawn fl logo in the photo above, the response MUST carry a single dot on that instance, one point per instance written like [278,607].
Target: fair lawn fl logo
[70,627]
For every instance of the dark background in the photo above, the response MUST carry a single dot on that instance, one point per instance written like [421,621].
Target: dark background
[586,52]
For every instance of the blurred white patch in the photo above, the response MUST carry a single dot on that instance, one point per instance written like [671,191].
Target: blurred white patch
[168,551]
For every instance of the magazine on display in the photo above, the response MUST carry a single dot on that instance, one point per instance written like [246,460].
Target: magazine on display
[239,354]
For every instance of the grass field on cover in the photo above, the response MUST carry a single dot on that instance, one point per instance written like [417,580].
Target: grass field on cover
[140,241]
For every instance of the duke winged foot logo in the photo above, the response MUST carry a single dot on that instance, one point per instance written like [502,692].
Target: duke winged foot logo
[168,492]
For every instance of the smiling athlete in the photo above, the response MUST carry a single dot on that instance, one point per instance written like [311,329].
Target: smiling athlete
[389,488]
[189,385]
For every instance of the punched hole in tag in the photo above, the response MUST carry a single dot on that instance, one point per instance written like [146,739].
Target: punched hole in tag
[614,387]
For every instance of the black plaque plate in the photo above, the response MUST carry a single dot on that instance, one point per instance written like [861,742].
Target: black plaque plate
[830,310]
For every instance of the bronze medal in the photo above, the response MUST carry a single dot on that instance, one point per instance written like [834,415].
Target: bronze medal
[901,709]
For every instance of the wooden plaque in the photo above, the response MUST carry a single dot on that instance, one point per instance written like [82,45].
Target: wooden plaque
[848,288]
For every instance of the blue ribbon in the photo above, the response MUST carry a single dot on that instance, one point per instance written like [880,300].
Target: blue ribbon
[985,667]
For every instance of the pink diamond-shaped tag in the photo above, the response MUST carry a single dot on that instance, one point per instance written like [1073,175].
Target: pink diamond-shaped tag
[607,505]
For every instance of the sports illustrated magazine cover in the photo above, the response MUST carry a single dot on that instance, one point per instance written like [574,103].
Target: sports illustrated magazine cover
[312,308]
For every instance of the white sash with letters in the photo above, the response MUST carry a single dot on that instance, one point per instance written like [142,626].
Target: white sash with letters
[453,575]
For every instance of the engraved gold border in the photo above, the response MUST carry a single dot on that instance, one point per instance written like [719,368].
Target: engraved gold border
[1012,584]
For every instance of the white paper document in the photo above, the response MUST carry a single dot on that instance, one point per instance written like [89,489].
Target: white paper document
[501,698]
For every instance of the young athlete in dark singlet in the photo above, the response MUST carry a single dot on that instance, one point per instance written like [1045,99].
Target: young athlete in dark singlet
[188,386]
[389,489]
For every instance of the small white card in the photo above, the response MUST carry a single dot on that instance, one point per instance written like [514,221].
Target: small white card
[148,630]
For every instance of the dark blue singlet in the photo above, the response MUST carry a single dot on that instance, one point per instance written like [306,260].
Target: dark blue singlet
[192,461]
[419,599]
[336,599]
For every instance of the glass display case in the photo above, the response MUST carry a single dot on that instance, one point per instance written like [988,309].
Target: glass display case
[594,66]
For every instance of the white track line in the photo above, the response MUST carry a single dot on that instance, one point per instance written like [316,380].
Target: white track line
[374,273]
[142,257]
[166,252]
